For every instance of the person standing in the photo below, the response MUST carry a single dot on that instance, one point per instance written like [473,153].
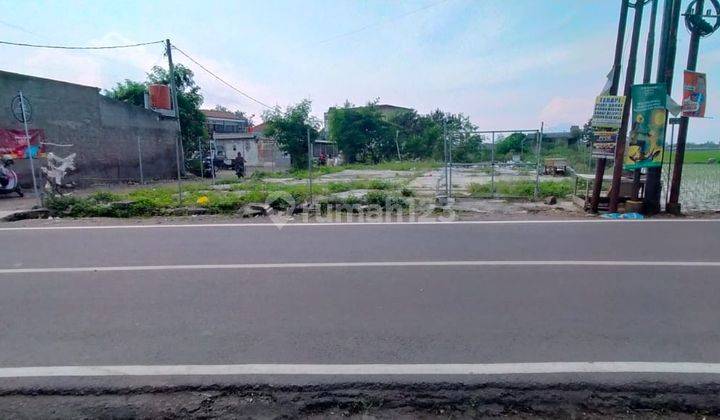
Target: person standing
[239,165]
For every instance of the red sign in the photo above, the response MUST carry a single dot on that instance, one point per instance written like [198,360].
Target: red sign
[694,94]
[14,143]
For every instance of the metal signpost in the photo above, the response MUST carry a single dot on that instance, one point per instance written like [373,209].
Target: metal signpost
[28,149]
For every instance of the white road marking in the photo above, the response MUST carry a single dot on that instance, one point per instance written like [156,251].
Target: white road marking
[315,224]
[480,263]
[366,369]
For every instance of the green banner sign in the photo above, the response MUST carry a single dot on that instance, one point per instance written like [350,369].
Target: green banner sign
[649,112]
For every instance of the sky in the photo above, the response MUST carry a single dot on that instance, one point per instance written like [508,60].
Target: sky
[507,64]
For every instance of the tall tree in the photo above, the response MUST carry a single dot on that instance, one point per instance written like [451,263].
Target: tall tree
[128,91]
[361,133]
[290,128]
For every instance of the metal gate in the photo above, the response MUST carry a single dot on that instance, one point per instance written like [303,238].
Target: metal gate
[480,179]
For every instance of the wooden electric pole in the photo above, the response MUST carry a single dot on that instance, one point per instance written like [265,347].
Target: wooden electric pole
[614,85]
[622,134]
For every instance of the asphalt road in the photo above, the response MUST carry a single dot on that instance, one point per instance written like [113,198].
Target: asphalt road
[446,295]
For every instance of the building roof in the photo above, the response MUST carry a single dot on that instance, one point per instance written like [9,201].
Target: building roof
[211,113]
[257,128]
[392,107]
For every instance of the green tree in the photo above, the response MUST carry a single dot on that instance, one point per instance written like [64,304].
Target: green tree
[290,128]
[510,144]
[423,136]
[361,133]
[128,91]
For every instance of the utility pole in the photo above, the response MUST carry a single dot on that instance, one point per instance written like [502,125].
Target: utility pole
[176,107]
[602,162]
[647,75]
[622,134]
[666,69]
[673,205]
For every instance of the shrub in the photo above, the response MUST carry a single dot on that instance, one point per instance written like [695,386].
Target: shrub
[104,197]
[385,200]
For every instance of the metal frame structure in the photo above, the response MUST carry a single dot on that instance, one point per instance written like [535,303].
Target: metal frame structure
[449,164]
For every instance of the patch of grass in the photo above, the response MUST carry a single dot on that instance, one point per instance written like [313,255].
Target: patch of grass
[524,189]
[406,165]
[700,156]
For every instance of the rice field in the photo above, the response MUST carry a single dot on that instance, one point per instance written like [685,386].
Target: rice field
[700,187]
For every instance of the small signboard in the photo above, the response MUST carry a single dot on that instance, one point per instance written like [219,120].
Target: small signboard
[694,94]
[608,111]
[604,144]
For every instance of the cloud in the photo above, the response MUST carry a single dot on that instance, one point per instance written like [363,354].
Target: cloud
[563,109]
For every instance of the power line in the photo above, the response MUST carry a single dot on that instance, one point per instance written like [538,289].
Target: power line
[66,47]
[221,80]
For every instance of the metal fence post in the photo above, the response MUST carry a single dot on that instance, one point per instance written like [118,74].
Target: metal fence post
[537,163]
[142,177]
[445,159]
[202,165]
[492,167]
[450,158]
[310,157]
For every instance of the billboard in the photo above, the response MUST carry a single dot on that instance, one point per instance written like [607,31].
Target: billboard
[694,94]
[649,116]
[14,143]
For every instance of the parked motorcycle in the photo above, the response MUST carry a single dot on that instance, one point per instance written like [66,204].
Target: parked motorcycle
[8,178]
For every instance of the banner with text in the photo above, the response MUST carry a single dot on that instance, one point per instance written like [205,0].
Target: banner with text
[14,143]
[649,115]
[694,94]
[604,144]
[606,120]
